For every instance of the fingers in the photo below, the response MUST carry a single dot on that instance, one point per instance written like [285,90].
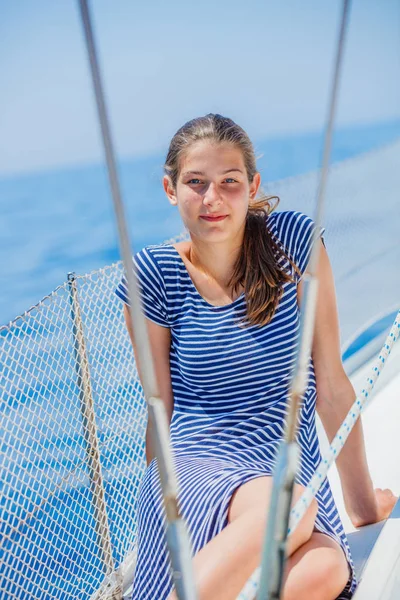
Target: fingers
[386,502]
[387,492]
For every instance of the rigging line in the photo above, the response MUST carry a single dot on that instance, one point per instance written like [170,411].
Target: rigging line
[176,532]
[308,303]
[328,136]
[269,580]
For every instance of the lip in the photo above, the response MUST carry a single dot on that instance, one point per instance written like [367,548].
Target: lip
[212,218]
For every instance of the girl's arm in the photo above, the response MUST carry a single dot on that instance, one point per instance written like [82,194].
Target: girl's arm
[160,343]
[335,395]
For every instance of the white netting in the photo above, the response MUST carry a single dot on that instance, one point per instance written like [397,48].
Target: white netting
[64,521]
[362,219]
[49,545]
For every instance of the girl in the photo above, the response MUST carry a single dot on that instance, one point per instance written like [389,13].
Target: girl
[223,320]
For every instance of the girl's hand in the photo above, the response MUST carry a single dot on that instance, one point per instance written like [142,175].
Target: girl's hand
[385,501]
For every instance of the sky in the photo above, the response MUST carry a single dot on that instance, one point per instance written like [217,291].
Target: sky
[266,64]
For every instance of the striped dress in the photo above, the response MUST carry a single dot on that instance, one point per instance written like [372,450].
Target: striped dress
[230,387]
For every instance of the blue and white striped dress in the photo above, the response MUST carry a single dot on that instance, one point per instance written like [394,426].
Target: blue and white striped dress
[230,387]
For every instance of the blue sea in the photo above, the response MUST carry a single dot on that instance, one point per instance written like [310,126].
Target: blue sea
[57,221]
[52,223]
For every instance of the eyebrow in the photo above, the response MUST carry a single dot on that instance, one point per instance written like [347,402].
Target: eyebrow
[201,172]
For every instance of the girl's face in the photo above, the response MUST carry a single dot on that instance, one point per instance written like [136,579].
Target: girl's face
[213,182]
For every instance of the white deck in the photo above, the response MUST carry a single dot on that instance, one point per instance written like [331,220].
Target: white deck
[381,424]
[381,420]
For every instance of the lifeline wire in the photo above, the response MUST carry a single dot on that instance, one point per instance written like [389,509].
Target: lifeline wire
[274,548]
[176,532]
[338,442]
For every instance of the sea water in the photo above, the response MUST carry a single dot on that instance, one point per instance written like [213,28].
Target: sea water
[62,220]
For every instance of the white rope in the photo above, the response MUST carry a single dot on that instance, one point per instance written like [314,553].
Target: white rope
[298,511]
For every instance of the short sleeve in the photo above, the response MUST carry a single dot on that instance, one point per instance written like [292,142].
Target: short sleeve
[151,286]
[295,231]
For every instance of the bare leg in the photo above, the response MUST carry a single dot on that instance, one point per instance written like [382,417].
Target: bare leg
[316,571]
[225,563]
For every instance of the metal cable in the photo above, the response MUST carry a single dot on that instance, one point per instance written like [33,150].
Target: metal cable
[177,535]
[274,549]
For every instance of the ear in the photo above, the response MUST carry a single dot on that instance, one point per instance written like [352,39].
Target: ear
[255,184]
[169,190]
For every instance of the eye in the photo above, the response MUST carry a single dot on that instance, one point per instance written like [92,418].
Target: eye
[194,181]
[232,179]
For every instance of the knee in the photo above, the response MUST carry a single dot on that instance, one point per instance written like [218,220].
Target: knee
[331,576]
[315,573]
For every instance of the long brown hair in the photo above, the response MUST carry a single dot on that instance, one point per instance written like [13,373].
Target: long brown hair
[257,268]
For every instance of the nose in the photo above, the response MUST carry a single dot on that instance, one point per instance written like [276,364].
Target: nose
[211,195]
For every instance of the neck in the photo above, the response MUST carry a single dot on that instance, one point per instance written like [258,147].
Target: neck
[215,260]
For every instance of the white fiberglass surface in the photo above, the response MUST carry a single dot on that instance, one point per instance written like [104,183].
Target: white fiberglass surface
[381,425]
[376,548]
